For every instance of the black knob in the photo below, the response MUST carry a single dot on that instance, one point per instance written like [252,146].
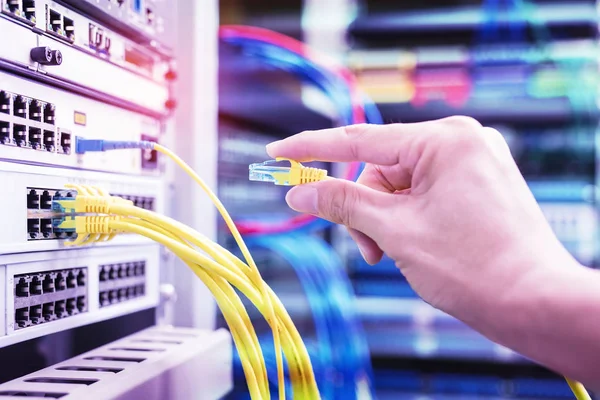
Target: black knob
[56,57]
[42,55]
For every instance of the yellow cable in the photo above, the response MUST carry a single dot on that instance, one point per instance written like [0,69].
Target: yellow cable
[301,390]
[578,390]
[240,242]
[305,373]
[227,299]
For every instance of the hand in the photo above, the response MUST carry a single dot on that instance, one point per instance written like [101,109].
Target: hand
[444,199]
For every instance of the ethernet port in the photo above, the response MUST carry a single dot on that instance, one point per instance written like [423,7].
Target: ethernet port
[33,228]
[120,2]
[48,311]
[141,289]
[14,6]
[81,278]
[35,313]
[55,21]
[130,292]
[49,141]
[139,269]
[20,107]
[22,288]
[4,102]
[48,284]
[112,274]
[59,308]
[65,142]
[59,282]
[103,274]
[46,200]
[71,280]
[71,306]
[150,16]
[46,227]
[121,271]
[122,293]
[4,132]
[35,110]
[81,303]
[103,299]
[22,316]
[49,113]
[35,286]
[35,138]
[29,10]
[112,296]
[129,270]
[69,28]
[33,200]
[20,135]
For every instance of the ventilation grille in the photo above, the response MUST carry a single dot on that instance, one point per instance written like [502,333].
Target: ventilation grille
[128,367]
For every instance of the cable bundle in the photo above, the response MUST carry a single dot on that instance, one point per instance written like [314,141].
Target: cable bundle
[99,217]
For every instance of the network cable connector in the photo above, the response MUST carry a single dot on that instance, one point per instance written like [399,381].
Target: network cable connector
[295,174]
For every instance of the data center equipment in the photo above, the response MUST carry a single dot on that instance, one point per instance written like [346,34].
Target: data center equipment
[72,71]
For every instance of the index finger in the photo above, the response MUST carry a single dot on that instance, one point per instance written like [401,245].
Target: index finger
[377,144]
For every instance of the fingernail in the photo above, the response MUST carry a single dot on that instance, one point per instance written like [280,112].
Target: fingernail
[270,147]
[303,199]
[362,253]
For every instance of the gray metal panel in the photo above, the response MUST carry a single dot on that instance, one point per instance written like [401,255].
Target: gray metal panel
[196,365]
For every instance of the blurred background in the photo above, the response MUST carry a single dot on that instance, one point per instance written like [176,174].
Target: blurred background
[527,68]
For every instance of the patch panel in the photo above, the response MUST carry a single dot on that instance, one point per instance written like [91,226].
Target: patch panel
[121,282]
[29,123]
[33,190]
[23,10]
[60,116]
[47,296]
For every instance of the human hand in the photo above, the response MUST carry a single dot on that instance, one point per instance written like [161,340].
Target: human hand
[444,199]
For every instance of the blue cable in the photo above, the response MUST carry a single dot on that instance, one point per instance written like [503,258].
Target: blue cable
[321,274]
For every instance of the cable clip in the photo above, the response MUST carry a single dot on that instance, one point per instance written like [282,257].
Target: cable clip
[295,174]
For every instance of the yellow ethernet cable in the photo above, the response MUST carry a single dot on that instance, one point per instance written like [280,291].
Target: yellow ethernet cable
[218,273]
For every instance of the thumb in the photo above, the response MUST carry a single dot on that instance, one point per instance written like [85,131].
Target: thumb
[343,202]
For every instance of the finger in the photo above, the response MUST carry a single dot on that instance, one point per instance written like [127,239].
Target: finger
[369,250]
[344,202]
[376,144]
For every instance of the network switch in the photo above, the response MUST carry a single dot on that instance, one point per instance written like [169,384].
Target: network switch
[36,117]
[33,190]
[139,70]
[50,291]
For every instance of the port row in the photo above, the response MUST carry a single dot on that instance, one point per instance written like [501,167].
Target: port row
[60,25]
[147,203]
[28,285]
[115,296]
[112,272]
[32,124]
[50,311]
[23,10]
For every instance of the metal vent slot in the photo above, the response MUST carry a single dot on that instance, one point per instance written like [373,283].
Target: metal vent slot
[122,359]
[90,369]
[156,341]
[134,349]
[33,394]
[70,381]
